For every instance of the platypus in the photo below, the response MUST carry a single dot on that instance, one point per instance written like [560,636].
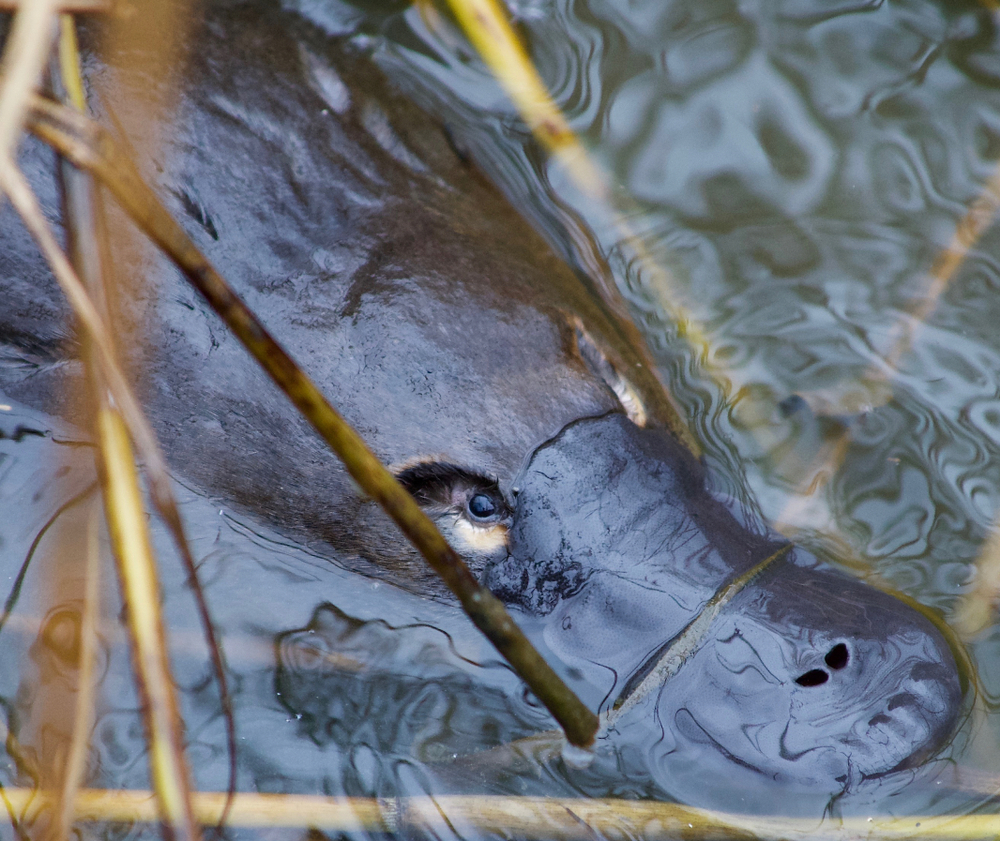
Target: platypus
[508,398]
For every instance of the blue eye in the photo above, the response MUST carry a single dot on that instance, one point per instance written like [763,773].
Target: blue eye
[482,507]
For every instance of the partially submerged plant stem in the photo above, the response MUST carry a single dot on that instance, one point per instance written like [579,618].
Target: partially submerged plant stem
[89,147]
[486,24]
[141,593]
[88,239]
[541,818]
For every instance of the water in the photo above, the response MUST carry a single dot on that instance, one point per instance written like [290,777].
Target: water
[798,166]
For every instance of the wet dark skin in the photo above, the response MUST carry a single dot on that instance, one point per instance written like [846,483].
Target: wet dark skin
[518,412]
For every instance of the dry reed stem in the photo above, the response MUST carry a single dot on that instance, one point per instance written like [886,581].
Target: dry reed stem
[83,142]
[70,73]
[62,5]
[25,54]
[89,242]
[137,572]
[127,524]
[486,25]
[542,818]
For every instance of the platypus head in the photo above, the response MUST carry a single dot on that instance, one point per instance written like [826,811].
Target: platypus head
[609,541]
[804,677]
[525,419]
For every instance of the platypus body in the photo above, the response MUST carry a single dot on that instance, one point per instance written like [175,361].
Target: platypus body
[509,401]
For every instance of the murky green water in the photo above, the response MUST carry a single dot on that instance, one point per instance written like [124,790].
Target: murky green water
[798,166]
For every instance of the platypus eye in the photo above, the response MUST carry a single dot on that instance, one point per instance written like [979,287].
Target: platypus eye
[468,507]
[482,507]
[437,484]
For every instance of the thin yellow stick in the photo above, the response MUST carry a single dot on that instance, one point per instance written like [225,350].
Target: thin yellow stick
[486,611]
[556,818]
[24,57]
[61,5]
[141,593]
[69,63]
[125,509]
[486,25]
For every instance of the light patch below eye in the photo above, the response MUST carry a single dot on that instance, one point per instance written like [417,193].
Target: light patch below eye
[630,400]
[600,365]
[481,540]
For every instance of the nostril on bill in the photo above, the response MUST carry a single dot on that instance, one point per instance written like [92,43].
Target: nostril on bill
[814,677]
[837,657]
